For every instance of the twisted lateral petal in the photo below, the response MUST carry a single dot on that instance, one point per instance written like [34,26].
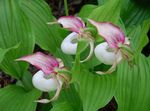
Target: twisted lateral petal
[41,61]
[111,33]
[91,43]
[72,23]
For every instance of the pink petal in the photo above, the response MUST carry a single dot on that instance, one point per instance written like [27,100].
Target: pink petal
[41,61]
[111,33]
[72,23]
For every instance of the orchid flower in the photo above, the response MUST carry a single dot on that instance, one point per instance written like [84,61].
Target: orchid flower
[48,78]
[79,32]
[115,48]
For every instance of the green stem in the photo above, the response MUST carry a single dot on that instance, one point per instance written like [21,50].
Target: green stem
[66,7]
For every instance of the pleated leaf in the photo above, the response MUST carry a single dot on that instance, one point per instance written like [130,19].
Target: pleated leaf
[15,29]
[133,86]
[62,107]
[48,37]
[86,10]
[95,90]
[138,35]
[4,51]
[101,2]
[71,96]
[110,11]
[15,98]
[135,14]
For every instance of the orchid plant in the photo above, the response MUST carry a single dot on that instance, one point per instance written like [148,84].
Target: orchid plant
[108,35]
[49,77]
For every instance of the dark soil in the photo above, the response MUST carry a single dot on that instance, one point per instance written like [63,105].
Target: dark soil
[111,106]
[146,49]
[5,80]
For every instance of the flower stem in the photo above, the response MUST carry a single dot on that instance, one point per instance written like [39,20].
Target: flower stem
[66,7]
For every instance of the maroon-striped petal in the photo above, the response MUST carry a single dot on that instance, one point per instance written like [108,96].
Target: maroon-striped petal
[72,23]
[110,32]
[41,61]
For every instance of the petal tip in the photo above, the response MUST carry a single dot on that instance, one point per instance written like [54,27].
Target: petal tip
[46,63]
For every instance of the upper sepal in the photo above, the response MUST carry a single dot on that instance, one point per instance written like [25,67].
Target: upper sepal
[41,61]
[111,33]
[72,23]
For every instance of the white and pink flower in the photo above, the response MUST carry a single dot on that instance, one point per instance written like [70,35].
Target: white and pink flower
[48,78]
[110,52]
[78,28]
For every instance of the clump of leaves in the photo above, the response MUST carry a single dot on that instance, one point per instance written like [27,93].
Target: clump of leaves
[23,24]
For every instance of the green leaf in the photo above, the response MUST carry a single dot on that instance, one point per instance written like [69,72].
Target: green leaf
[65,106]
[15,29]
[95,90]
[138,35]
[133,86]
[135,14]
[15,98]
[101,2]
[27,80]
[4,51]
[71,96]
[2,54]
[86,10]
[110,11]
[48,37]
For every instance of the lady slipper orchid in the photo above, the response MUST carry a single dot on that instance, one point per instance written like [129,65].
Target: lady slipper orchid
[79,32]
[48,78]
[115,48]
